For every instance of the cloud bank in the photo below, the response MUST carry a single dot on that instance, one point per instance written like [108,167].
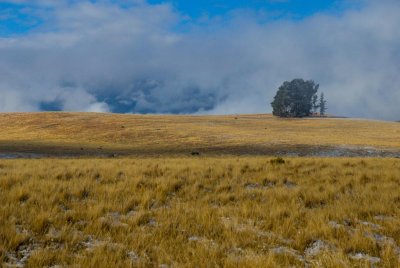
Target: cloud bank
[134,57]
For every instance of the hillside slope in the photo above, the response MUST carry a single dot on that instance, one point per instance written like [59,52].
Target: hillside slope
[91,133]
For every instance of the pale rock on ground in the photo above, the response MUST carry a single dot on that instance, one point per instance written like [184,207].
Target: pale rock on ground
[316,248]
[365,257]
[289,252]
[21,256]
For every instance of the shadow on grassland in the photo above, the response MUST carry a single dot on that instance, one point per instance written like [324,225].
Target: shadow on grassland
[24,149]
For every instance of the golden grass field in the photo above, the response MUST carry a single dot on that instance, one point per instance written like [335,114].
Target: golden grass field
[200,212]
[88,133]
[234,205]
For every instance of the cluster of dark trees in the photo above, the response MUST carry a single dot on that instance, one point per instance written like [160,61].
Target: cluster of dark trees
[298,98]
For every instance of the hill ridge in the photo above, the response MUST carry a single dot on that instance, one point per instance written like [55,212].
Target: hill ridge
[61,133]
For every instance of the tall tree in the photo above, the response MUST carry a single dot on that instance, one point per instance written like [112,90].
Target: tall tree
[315,105]
[294,99]
[322,104]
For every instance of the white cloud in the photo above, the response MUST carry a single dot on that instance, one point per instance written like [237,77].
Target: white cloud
[104,57]
[99,107]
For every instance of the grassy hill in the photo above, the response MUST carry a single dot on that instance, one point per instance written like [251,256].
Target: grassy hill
[90,133]
[218,210]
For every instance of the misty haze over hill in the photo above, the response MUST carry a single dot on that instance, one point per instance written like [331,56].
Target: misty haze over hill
[110,56]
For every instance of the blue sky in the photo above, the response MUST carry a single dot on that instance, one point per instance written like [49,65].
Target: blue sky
[295,8]
[18,18]
[198,57]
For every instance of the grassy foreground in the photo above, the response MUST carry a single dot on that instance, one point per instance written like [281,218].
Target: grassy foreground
[200,212]
[96,134]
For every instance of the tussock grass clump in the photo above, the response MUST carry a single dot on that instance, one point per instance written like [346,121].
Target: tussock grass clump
[278,160]
[200,212]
